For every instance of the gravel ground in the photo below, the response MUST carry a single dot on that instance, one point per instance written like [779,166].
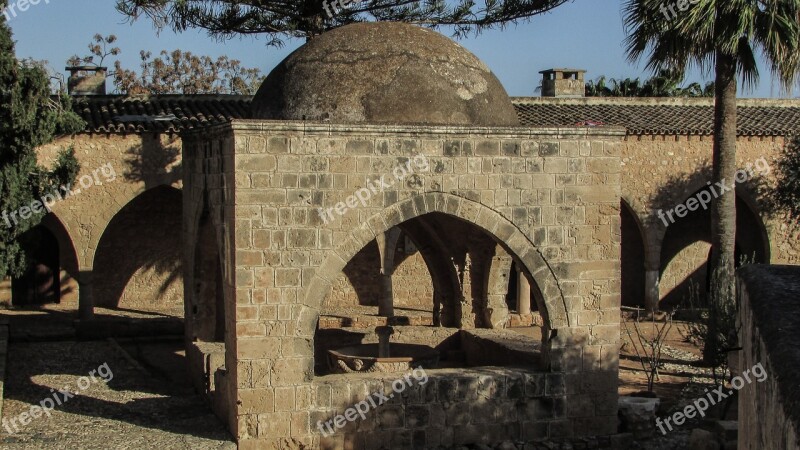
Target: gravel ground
[134,410]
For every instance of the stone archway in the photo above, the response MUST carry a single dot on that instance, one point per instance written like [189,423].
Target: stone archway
[137,263]
[501,229]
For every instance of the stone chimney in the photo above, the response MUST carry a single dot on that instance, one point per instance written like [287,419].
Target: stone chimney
[86,80]
[563,83]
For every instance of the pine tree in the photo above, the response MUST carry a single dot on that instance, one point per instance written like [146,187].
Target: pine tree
[29,117]
[277,21]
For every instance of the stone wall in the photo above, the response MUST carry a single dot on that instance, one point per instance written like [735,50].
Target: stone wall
[116,170]
[551,197]
[208,213]
[447,407]
[360,283]
[662,171]
[769,411]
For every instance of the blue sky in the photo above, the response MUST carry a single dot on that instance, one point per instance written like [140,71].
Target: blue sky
[585,34]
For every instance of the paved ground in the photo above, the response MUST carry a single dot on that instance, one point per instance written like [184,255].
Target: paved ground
[138,408]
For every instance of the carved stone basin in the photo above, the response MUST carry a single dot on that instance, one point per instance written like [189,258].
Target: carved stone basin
[364,358]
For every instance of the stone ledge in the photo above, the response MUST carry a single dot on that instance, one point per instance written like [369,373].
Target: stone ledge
[484,347]
[772,294]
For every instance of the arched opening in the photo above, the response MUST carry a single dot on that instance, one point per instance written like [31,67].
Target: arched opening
[41,283]
[138,260]
[687,246]
[632,257]
[207,305]
[473,272]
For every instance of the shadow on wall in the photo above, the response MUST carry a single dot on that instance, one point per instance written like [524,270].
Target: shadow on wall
[138,261]
[156,162]
[685,248]
[360,282]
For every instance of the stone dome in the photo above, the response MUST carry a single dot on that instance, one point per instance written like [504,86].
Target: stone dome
[384,73]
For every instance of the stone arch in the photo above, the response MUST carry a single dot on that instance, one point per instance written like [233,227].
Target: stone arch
[40,284]
[686,246]
[68,257]
[138,257]
[442,271]
[760,242]
[501,229]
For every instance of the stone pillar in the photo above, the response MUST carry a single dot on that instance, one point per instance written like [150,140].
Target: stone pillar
[523,294]
[387,242]
[85,295]
[651,292]
[386,302]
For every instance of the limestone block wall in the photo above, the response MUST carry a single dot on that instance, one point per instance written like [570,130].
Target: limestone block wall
[769,411]
[660,172]
[550,196]
[208,180]
[448,407]
[116,170]
[360,283]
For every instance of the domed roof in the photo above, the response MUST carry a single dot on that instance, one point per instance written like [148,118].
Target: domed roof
[384,73]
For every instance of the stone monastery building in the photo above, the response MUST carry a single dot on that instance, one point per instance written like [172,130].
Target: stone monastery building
[382,175]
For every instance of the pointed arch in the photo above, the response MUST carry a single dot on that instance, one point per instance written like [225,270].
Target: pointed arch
[501,229]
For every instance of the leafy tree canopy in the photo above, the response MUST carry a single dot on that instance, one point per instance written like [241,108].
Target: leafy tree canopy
[665,84]
[175,72]
[29,117]
[282,19]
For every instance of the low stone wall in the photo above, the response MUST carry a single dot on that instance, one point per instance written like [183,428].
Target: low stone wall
[452,407]
[769,411]
[500,348]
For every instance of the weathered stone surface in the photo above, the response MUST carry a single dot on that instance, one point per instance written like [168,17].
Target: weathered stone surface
[384,73]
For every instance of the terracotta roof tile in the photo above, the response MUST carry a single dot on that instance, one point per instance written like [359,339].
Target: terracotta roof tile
[159,113]
[660,116]
[176,113]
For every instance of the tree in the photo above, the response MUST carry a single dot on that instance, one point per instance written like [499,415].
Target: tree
[725,35]
[783,198]
[665,84]
[305,19]
[29,117]
[175,72]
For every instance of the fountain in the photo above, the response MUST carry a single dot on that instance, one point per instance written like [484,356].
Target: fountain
[384,356]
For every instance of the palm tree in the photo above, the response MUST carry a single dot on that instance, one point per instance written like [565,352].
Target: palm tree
[725,35]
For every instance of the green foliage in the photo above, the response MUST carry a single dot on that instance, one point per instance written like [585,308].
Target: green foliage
[784,198]
[304,19]
[725,35]
[29,117]
[665,84]
[738,28]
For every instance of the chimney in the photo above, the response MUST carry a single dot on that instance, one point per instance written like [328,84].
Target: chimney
[567,83]
[86,80]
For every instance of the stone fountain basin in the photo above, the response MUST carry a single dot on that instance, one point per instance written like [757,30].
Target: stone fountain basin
[364,358]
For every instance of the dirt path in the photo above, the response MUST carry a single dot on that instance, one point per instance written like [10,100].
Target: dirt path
[133,410]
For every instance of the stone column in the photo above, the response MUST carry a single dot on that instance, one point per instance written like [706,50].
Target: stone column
[387,242]
[651,291]
[85,295]
[386,302]
[523,294]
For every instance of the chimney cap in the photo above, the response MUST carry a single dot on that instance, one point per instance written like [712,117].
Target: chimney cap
[86,68]
[562,70]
